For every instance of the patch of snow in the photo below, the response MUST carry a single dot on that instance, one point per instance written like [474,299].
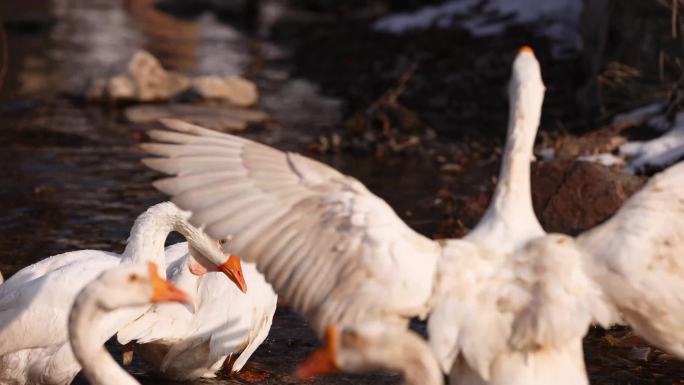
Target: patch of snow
[557,20]
[606,159]
[547,153]
[639,113]
[659,123]
[425,17]
[659,152]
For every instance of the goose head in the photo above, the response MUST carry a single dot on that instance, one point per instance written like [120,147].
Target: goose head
[228,264]
[136,284]
[371,346]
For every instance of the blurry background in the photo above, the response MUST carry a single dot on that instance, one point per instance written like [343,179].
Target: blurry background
[408,96]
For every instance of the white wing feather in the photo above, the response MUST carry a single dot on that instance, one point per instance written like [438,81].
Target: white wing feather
[262,306]
[638,259]
[332,249]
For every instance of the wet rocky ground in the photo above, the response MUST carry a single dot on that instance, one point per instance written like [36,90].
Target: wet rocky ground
[419,119]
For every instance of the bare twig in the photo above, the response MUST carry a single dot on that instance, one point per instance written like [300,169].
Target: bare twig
[393,93]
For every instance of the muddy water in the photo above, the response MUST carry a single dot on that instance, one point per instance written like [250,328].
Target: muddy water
[70,177]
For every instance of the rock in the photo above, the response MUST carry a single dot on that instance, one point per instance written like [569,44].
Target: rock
[220,117]
[451,168]
[238,91]
[147,81]
[151,81]
[120,88]
[571,197]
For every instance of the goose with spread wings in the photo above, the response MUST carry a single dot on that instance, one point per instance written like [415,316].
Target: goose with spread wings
[507,304]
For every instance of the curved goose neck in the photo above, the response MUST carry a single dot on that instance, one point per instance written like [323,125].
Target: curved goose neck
[511,205]
[98,365]
[151,228]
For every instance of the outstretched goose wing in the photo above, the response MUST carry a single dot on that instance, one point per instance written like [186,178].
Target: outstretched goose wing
[332,249]
[638,259]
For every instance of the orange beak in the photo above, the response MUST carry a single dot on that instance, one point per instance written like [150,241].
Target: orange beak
[163,290]
[233,270]
[322,361]
[525,49]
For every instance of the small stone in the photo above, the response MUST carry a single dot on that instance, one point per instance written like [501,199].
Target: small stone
[236,90]
[452,168]
[640,354]
[120,88]
[571,197]
[152,82]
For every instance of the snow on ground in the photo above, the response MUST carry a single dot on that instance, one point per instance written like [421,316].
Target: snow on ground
[659,152]
[557,20]
[606,159]
[637,114]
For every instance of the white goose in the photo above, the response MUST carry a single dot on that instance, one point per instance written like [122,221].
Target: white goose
[522,320]
[126,286]
[509,304]
[337,253]
[370,346]
[34,303]
[183,342]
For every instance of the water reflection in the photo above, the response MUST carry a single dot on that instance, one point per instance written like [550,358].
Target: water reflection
[83,40]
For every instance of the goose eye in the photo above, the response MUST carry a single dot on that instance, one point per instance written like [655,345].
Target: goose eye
[351,338]
[133,278]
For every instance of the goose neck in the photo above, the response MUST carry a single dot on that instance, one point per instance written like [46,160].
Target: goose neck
[87,345]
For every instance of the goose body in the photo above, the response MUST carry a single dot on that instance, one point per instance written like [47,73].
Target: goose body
[527,326]
[35,302]
[508,304]
[188,341]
